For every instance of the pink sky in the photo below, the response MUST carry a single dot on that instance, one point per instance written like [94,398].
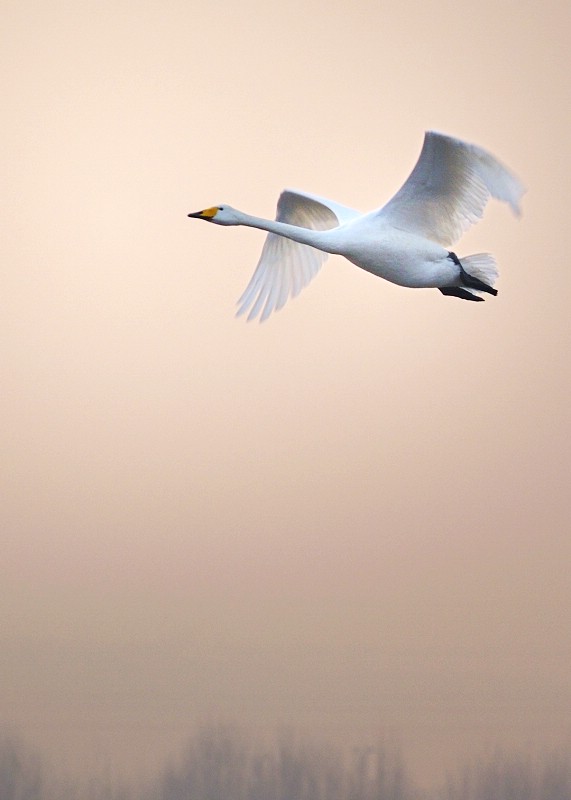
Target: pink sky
[354,518]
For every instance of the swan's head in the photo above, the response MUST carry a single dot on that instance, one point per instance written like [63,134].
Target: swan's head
[221,215]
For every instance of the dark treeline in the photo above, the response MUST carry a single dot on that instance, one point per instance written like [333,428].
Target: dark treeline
[221,763]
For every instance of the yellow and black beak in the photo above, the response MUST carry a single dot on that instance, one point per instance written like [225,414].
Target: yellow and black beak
[208,213]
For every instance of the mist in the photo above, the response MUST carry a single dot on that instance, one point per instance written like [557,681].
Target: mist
[221,762]
[351,521]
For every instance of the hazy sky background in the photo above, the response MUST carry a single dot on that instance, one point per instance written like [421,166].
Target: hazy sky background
[353,519]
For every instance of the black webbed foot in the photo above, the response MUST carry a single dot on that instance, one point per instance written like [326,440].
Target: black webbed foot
[457,291]
[469,280]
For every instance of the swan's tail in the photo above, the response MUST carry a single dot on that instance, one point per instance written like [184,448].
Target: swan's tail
[481,266]
[478,274]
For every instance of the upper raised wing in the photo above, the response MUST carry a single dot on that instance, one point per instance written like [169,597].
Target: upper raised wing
[285,267]
[448,189]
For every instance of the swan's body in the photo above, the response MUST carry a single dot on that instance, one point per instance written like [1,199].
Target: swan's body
[406,241]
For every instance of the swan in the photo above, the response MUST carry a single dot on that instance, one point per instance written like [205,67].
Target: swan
[407,241]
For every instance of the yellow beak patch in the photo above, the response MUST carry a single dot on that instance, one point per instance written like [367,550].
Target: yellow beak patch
[209,212]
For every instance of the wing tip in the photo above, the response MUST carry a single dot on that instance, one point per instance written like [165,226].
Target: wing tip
[254,310]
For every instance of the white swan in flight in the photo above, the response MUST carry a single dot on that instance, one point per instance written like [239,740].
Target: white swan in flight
[406,241]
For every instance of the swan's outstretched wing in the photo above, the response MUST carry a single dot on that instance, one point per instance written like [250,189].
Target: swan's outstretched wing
[448,189]
[285,267]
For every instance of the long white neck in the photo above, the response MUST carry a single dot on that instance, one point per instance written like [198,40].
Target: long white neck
[318,239]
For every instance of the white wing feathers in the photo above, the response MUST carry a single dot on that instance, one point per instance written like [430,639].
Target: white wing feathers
[448,189]
[285,267]
[445,193]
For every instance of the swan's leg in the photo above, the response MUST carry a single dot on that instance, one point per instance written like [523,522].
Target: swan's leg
[457,291]
[469,280]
